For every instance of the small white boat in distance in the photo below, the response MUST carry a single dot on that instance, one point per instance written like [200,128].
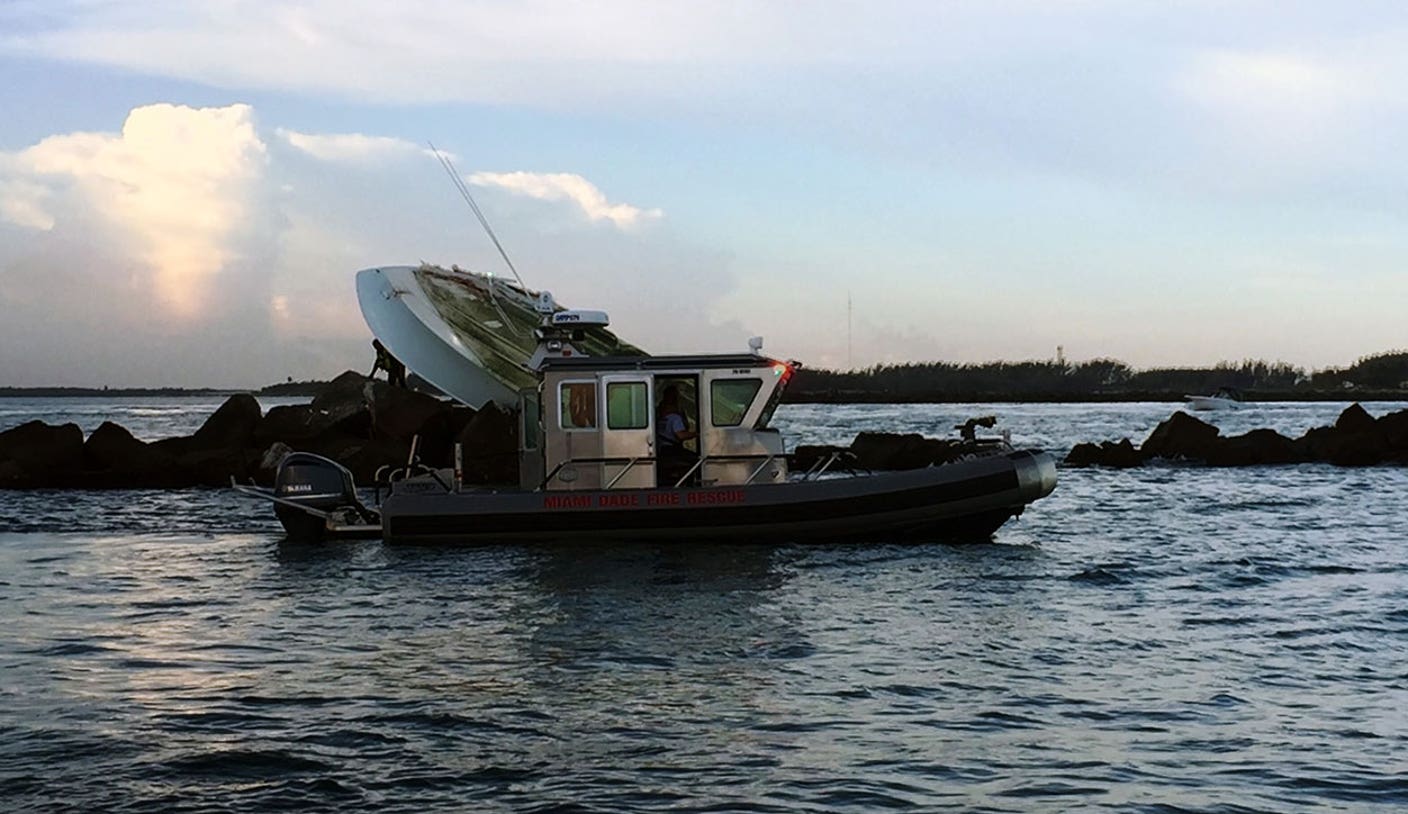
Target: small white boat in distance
[1225,398]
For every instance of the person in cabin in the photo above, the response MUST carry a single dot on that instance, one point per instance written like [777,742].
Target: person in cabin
[395,371]
[671,431]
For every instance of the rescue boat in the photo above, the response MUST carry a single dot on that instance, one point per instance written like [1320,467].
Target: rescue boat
[594,462]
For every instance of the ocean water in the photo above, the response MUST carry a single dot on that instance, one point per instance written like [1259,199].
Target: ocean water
[1170,638]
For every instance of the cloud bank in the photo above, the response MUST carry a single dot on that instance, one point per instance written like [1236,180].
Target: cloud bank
[569,187]
[349,147]
[182,250]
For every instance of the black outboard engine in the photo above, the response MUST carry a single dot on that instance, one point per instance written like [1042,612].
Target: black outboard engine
[315,494]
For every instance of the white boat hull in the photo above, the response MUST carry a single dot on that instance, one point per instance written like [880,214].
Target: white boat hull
[1212,403]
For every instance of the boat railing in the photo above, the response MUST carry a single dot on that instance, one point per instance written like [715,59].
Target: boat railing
[628,463]
[821,465]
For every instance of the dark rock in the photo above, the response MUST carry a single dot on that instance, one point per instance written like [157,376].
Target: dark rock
[215,467]
[398,413]
[292,424]
[1341,448]
[357,424]
[438,434]
[885,450]
[173,447]
[1120,454]
[1253,448]
[1355,419]
[231,426]
[490,446]
[364,456]
[42,453]
[12,475]
[1180,436]
[806,456]
[342,397]
[111,448]
[1394,427]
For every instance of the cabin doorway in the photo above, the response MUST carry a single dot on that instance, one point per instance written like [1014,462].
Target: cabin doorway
[677,429]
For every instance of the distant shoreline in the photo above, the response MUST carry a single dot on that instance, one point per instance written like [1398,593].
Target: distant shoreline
[146,392]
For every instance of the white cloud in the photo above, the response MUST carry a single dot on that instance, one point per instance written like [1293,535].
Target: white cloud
[569,187]
[349,147]
[178,182]
[23,204]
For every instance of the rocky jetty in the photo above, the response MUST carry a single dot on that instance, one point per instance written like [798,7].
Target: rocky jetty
[1355,439]
[363,423]
[883,451]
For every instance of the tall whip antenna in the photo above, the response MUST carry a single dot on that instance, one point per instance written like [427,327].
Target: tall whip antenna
[478,213]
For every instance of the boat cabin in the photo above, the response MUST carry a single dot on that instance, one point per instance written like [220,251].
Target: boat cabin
[614,422]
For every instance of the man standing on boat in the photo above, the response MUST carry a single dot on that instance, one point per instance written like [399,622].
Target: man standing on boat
[671,431]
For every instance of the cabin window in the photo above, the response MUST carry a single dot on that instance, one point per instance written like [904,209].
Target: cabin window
[729,399]
[532,421]
[578,405]
[627,406]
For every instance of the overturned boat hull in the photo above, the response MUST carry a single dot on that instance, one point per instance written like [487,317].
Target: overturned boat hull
[469,334]
[965,500]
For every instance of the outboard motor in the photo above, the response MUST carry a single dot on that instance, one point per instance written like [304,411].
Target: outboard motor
[315,493]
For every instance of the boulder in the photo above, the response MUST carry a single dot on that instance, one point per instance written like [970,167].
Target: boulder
[1356,439]
[490,446]
[342,397]
[438,434]
[111,448]
[290,423]
[806,456]
[231,426]
[397,413]
[1120,454]
[12,475]
[364,456]
[1394,427]
[887,450]
[215,467]
[42,452]
[1180,436]
[1253,448]
[1355,419]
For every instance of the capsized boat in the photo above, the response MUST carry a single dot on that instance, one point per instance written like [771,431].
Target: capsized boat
[594,458]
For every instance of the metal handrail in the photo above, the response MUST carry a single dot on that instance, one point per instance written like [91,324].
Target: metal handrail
[630,462]
[819,468]
[622,473]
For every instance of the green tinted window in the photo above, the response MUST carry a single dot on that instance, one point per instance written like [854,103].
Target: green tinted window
[627,406]
[729,399]
[578,406]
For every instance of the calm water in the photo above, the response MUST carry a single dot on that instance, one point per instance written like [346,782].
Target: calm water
[1161,639]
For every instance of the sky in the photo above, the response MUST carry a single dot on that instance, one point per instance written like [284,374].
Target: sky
[187,187]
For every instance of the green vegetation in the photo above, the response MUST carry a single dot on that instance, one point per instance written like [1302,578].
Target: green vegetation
[1382,375]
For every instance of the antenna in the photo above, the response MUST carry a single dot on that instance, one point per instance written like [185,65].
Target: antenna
[483,221]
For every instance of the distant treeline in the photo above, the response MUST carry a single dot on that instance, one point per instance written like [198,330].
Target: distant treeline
[1384,375]
[110,392]
[1381,376]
